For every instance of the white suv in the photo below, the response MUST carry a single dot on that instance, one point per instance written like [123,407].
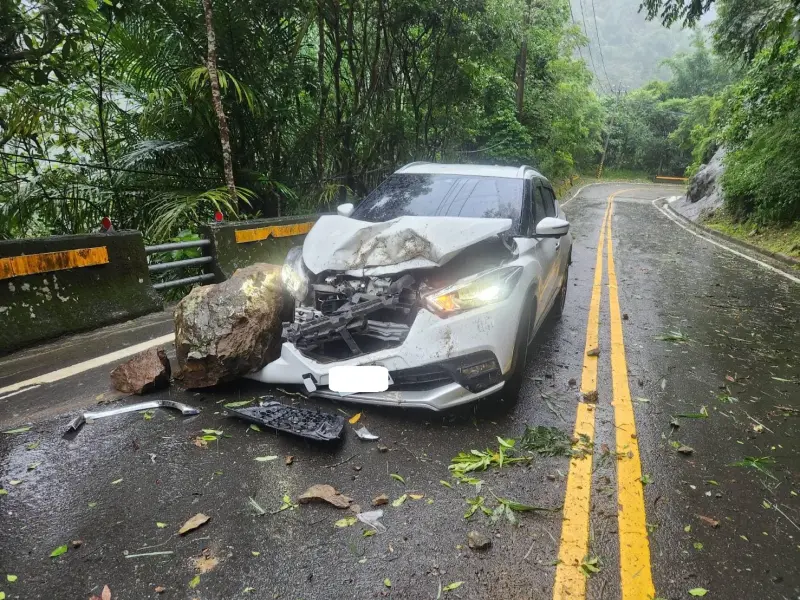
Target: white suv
[443,275]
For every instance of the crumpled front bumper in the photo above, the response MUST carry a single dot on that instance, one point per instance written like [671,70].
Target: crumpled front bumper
[486,332]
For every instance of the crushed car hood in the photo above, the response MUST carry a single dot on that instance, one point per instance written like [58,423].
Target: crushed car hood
[337,243]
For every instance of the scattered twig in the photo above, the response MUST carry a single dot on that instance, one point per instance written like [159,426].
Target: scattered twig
[789,408]
[299,395]
[553,410]
[758,422]
[339,463]
[775,506]
[528,553]
[162,553]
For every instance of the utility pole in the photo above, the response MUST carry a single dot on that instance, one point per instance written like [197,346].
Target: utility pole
[608,134]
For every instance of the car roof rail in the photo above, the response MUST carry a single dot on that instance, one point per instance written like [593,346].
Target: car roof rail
[412,164]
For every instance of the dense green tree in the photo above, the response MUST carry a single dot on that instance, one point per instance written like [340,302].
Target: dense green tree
[321,98]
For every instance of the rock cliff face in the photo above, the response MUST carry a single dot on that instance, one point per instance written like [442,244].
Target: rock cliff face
[227,330]
[705,189]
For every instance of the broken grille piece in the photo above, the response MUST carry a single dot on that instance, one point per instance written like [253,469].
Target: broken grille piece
[291,419]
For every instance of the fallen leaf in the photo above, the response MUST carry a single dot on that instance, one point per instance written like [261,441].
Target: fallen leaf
[159,589]
[58,551]
[708,520]
[322,492]
[11,578]
[446,483]
[387,582]
[354,419]
[346,522]
[194,582]
[255,427]
[259,510]
[400,500]
[289,459]
[2,596]
[205,563]
[3,492]
[238,404]
[266,458]
[17,430]
[368,533]
[380,500]
[698,592]
[397,477]
[160,525]
[685,449]
[33,466]
[106,594]
[698,545]
[416,496]
[452,586]
[15,481]
[200,442]
[247,590]
[193,523]
[254,553]
[32,445]
[116,481]
[77,543]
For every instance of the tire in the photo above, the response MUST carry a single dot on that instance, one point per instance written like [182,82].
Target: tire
[510,392]
[561,299]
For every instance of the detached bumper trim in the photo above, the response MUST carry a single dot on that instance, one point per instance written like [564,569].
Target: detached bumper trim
[441,398]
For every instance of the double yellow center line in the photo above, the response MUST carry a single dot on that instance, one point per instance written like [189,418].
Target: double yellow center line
[635,570]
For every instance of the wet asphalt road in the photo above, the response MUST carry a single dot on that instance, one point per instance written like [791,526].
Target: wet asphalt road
[118,478]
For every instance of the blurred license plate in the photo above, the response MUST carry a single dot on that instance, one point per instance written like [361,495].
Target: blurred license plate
[355,379]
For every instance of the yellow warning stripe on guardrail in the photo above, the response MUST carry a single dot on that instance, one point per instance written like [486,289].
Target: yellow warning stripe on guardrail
[671,178]
[30,264]
[261,233]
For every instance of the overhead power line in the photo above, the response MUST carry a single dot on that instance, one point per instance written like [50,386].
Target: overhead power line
[600,47]
[591,56]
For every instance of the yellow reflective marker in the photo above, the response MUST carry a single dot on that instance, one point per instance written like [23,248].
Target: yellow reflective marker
[570,580]
[634,547]
[45,262]
[244,236]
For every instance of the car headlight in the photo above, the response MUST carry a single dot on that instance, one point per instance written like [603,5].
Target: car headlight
[474,291]
[294,275]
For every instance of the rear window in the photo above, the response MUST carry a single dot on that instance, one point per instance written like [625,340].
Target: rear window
[442,196]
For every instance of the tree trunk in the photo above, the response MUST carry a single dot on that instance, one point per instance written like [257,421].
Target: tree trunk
[216,100]
[522,60]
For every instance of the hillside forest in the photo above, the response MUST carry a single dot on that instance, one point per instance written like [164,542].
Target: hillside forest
[158,114]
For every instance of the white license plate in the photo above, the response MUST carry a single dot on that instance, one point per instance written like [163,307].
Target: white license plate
[357,379]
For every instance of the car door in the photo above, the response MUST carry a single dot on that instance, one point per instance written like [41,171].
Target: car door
[541,250]
[544,206]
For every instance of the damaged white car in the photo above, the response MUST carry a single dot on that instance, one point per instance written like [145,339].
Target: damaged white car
[442,275]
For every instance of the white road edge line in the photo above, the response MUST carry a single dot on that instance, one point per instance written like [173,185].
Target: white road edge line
[709,240]
[86,365]
[578,193]
[33,387]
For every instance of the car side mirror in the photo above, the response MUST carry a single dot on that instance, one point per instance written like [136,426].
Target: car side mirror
[550,227]
[345,210]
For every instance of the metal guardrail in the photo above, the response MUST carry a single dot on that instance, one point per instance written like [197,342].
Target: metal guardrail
[179,264]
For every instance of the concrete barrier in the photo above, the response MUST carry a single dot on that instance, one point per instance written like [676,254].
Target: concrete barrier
[65,284]
[238,244]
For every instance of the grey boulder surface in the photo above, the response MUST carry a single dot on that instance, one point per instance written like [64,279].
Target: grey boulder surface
[704,195]
[229,329]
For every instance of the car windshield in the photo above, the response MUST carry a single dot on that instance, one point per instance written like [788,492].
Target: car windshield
[442,196]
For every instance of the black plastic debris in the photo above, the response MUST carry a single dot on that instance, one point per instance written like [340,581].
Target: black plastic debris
[312,424]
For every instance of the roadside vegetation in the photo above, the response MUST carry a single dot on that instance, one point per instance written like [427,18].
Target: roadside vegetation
[157,114]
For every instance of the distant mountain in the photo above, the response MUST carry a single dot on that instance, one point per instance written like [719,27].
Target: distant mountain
[631,47]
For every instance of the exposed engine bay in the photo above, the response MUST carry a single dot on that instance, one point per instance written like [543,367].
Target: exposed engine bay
[343,315]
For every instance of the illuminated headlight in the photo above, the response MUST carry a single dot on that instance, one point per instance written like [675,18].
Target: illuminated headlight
[474,291]
[293,274]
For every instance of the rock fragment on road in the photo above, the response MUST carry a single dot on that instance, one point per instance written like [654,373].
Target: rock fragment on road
[145,372]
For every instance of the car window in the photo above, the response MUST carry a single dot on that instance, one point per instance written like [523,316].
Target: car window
[421,195]
[549,202]
[538,204]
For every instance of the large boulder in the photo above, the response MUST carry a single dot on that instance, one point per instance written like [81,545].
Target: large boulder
[143,373]
[704,195]
[227,330]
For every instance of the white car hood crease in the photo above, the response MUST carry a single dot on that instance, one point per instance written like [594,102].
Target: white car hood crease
[337,243]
